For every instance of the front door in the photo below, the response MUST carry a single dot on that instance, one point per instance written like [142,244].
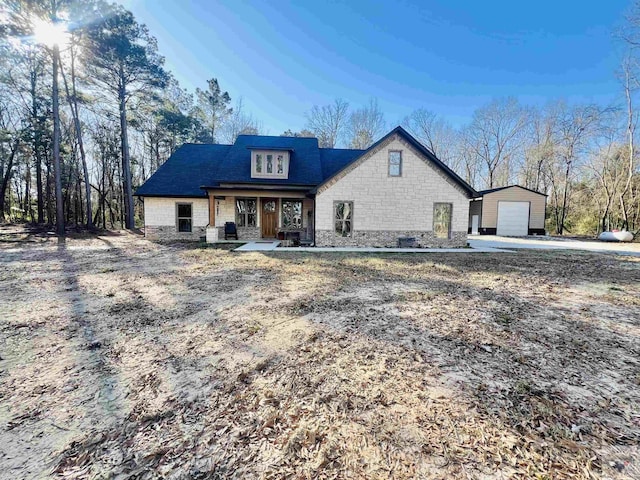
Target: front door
[269,221]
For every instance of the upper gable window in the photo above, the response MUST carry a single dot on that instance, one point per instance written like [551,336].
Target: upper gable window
[269,164]
[395,163]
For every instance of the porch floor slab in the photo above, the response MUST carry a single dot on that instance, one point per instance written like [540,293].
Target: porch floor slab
[258,246]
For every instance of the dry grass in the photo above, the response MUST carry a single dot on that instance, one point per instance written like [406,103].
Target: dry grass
[127,359]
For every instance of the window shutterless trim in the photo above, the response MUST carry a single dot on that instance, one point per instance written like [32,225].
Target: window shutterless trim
[335,219]
[389,163]
[178,217]
[246,213]
[286,162]
[435,204]
[291,200]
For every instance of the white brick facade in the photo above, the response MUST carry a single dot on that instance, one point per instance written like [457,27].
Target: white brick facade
[385,207]
[391,204]
[160,217]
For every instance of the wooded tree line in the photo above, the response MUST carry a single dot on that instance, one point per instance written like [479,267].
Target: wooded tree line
[83,86]
[582,155]
[88,112]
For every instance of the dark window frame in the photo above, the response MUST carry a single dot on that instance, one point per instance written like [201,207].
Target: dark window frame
[183,217]
[435,206]
[246,212]
[282,212]
[343,220]
[389,164]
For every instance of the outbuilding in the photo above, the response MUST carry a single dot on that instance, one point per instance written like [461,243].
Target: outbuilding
[511,211]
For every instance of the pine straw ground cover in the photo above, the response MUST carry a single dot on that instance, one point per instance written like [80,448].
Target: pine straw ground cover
[123,358]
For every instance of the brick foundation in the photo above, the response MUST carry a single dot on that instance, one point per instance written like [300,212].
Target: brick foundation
[385,238]
[244,233]
[168,232]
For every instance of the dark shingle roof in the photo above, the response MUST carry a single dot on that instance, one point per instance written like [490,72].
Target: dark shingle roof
[304,165]
[334,159]
[188,168]
[194,166]
[492,190]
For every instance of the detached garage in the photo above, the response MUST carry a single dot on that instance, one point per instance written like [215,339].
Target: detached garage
[512,211]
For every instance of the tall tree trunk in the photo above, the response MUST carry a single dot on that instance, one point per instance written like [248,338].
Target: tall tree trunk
[28,211]
[57,164]
[47,191]
[37,143]
[565,197]
[73,105]
[7,175]
[104,193]
[631,152]
[126,161]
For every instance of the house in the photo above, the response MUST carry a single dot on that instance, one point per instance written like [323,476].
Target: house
[508,211]
[288,187]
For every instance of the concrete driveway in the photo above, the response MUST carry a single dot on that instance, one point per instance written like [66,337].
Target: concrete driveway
[553,243]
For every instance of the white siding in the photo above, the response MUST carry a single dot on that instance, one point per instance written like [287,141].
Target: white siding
[514,194]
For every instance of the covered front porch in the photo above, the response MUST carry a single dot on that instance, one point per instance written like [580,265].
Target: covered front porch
[285,215]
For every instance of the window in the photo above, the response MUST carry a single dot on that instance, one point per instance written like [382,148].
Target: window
[291,214]
[395,163]
[343,216]
[442,220]
[184,217]
[270,163]
[246,212]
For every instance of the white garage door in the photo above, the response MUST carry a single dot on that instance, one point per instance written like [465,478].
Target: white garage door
[513,219]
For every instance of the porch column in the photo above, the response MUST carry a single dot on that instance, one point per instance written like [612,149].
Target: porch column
[212,210]
[259,212]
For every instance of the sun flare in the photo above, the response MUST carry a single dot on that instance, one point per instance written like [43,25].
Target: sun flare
[50,34]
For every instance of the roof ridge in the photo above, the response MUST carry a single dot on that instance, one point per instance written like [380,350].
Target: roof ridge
[207,144]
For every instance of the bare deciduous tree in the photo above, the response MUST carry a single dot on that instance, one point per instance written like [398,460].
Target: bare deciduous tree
[328,122]
[366,125]
[437,135]
[496,135]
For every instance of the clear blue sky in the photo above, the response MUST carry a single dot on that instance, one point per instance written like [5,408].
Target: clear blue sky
[448,56]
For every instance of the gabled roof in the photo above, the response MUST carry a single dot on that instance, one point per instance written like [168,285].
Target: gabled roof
[492,190]
[334,159]
[193,167]
[422,149]
[304,164]
[185,171]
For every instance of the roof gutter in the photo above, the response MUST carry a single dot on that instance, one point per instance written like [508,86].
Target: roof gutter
[258,186]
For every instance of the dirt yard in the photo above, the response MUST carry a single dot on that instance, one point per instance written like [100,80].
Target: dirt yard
[122,358]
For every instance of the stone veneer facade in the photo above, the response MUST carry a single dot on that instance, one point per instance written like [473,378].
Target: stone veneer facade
[388,238]
[168,232]
[385,207]
[244,233]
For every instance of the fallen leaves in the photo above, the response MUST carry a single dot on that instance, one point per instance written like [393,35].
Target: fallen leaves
[179,363]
